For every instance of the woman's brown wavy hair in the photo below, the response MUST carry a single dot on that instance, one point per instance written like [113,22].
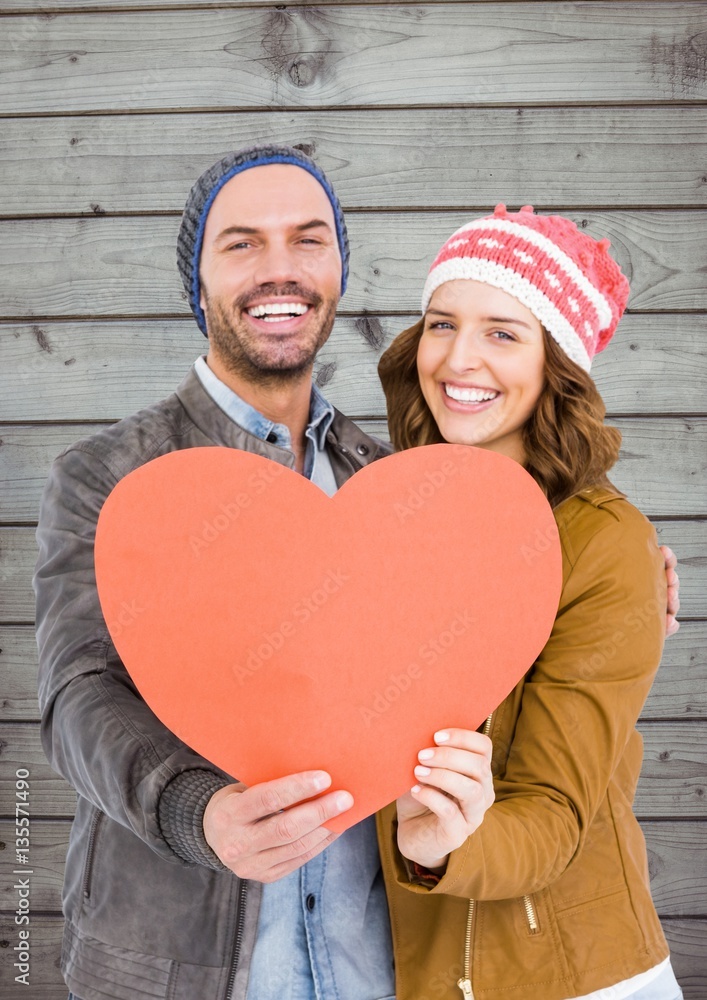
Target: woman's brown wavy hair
[567,445]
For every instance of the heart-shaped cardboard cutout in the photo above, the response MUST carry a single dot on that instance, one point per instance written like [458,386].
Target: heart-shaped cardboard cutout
[275,629]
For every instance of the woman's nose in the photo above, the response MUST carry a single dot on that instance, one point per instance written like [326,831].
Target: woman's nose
[465,353]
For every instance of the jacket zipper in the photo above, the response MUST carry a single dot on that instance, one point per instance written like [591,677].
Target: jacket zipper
[348,457]
[531,915]
[242,892]
[90,851]
[464,983]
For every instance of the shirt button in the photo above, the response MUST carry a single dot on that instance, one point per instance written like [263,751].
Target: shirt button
[311,902]
[362,449]
[272,437]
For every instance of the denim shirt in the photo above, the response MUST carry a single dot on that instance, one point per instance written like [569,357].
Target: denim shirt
[317,466]
[323,930]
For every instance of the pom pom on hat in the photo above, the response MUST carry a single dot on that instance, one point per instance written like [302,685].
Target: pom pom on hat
[566,278]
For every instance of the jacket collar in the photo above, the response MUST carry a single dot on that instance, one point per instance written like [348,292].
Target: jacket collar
[349,447]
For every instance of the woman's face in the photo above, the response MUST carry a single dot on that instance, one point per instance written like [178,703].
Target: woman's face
[480,362]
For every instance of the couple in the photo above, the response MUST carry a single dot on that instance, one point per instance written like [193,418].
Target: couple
[531,884]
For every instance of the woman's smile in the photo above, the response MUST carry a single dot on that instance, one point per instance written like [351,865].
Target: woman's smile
[480,362]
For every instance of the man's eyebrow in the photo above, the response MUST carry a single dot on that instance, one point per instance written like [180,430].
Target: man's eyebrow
[312,224]
[238,230]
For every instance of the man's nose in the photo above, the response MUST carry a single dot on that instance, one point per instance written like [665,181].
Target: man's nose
[277,264]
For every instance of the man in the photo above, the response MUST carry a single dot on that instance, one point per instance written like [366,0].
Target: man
[151,902]
[179,882]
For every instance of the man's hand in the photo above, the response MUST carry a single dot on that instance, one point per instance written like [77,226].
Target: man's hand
[267,831]
[673,581]
[455,789]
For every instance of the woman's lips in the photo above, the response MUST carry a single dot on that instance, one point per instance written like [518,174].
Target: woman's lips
[475,404]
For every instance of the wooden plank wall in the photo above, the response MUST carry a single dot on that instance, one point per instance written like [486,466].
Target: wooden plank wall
[423,115]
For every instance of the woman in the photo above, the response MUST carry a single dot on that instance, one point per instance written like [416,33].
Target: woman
[547,898]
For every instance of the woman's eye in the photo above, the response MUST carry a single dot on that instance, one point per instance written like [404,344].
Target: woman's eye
[503,335]
[441,325]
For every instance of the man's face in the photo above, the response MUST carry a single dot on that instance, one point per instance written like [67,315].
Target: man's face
[270,273]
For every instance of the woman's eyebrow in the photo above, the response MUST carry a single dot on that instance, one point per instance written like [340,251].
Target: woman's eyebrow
[439,312]
[486,319]
[508,319]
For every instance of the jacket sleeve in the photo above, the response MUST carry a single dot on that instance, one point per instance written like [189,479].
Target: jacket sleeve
[96,730]
[577,716]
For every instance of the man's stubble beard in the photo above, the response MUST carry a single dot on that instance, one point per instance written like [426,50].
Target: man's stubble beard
[270,363]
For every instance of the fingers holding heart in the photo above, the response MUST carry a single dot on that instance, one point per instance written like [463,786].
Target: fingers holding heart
[455,776]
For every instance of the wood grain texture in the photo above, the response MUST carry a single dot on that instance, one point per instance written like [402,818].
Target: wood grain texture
[686,938]
[105,370]
[366,55]
[676,858]
[121,267]
[679,691]
[18,554]
[673,779]
[662,465]
[569,157]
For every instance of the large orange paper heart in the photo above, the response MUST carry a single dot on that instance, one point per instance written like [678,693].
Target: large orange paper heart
[275,629]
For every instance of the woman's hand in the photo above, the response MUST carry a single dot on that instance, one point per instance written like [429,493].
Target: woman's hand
[454,790]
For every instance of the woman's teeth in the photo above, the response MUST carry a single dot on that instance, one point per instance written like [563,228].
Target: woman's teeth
[275,312]
[469,395]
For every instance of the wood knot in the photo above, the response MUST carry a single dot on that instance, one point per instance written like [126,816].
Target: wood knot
[325,373]
[371,330]
[302,73]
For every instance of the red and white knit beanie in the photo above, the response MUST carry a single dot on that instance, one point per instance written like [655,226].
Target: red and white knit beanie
[567,279]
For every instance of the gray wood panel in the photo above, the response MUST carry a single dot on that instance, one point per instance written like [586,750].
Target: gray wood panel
[676,857]
[650,448]
[375,55]
[686,939]
[121,267]
[673,779]
[18,554]
[679,691]
[104,370]
[569,157]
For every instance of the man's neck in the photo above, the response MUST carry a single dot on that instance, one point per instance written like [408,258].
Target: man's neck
[287,403]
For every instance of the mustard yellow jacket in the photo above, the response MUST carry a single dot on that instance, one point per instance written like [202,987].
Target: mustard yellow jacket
[549,898]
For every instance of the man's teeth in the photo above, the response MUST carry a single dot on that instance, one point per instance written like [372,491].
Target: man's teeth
[274,312]
[469,395]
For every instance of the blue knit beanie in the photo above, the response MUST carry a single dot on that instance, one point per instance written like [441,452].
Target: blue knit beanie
[201,197]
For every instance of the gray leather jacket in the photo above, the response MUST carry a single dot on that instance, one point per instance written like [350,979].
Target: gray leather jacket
[149,908]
